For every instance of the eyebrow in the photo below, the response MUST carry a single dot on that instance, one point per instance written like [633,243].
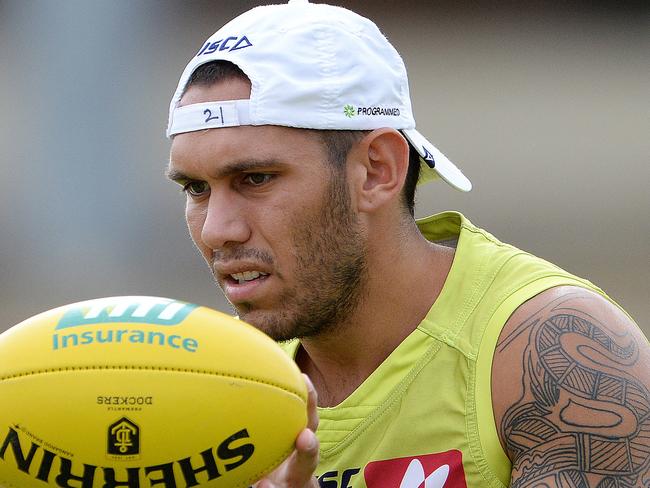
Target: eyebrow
[229,170]
[175,175]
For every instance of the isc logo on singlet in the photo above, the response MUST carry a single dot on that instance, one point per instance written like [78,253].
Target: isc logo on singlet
[437,470]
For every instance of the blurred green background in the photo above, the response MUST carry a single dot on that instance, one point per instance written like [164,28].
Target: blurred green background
[544,105]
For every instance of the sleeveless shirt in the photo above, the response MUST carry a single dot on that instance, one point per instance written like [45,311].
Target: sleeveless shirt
[426,412]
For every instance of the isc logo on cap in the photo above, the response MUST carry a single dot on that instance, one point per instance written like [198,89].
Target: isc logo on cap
[231,43]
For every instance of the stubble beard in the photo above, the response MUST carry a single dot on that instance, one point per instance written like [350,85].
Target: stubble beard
[331,271]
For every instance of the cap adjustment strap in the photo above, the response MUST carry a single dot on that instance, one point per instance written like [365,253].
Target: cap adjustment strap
[209,115]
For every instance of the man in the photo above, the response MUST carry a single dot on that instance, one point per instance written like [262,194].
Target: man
[440,356]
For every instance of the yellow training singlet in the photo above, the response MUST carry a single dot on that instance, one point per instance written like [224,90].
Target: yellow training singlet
[426,412]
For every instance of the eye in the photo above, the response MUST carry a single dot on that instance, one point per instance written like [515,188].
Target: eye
[196,188]
[258,179]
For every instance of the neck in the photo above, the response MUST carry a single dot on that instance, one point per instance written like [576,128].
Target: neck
[404,281]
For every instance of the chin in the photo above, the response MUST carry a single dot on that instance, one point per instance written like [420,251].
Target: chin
[272,324]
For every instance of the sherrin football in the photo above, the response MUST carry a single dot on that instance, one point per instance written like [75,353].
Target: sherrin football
[144,392]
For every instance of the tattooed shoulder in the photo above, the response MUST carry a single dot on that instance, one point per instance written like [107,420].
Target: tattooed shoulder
[571,390]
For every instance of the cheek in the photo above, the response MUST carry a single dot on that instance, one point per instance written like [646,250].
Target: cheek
[195,218]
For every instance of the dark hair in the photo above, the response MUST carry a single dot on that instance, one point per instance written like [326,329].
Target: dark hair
[337,142]
[213,72]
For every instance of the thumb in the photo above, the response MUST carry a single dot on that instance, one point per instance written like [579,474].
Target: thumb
[303,462]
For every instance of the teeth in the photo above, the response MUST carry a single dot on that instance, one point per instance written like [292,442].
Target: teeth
[247,276]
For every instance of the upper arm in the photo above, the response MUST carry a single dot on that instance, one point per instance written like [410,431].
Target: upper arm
[571,393]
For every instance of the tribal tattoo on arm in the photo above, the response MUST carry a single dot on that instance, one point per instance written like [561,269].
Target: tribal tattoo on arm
[583,420]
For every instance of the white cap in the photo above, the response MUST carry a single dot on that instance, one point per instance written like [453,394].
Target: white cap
[311,66]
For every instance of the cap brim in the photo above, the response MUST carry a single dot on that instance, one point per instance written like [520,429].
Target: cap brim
[434,164]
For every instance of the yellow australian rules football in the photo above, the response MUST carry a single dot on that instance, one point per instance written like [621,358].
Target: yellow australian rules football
[144,392]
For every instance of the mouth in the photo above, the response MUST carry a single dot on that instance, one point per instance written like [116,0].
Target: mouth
[245,277]
[245,285]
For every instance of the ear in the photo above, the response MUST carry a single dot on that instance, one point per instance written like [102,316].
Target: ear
[381,162]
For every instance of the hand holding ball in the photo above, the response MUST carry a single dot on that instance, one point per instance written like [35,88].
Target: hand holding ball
[144,392]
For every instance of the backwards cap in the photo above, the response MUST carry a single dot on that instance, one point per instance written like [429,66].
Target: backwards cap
[311,66]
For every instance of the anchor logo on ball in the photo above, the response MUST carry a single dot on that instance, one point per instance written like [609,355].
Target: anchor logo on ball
[123,438]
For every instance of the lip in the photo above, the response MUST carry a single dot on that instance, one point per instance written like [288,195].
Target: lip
[224,270]
[244,292]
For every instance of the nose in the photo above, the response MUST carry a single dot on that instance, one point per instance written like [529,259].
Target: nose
[225,222]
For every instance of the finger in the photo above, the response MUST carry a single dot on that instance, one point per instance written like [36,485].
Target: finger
[304,461]
[312,404]
[297,471]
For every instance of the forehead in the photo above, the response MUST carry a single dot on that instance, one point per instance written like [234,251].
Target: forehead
[207,150]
